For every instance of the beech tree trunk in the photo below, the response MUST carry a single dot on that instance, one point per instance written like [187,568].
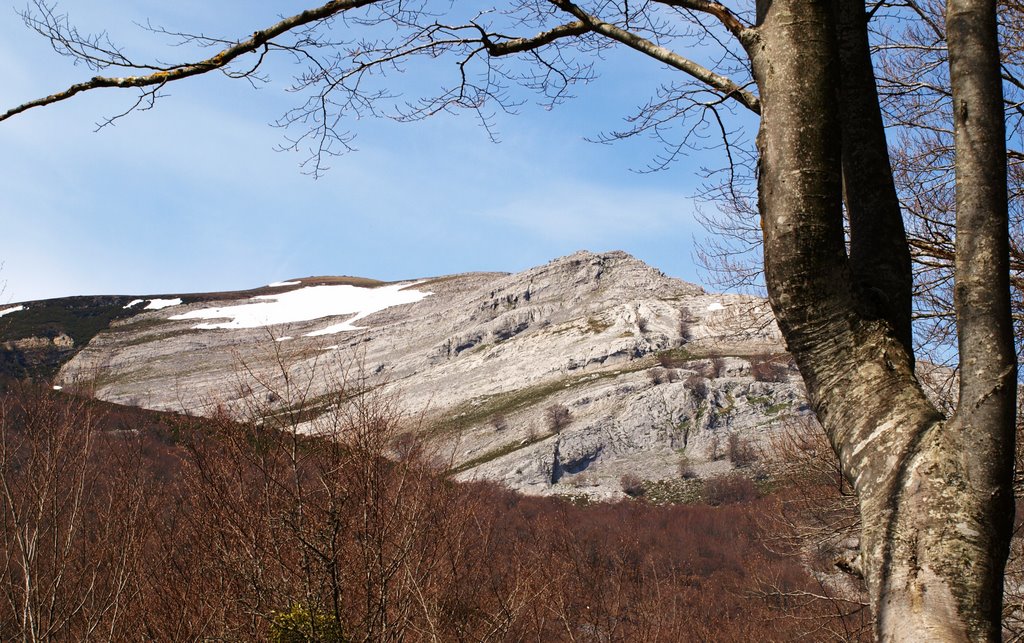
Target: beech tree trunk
[934,494]
[879,254]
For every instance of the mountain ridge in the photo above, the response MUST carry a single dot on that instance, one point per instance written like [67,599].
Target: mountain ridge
[649,370]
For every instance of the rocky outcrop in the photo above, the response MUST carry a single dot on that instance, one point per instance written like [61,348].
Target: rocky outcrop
[35,354]
[648,367]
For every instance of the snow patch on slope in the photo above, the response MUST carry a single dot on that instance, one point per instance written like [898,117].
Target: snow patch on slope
[305,304]
[159,304]
[7,311]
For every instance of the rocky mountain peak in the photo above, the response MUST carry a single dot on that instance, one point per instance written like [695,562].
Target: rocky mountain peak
[642,369]
[615,269]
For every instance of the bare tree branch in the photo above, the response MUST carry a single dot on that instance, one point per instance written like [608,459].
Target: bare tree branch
[517,45]
[632,40]
[716,9]
[219,61]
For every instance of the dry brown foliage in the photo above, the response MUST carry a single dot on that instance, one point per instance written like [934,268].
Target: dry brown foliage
[817,517]
[729,489]
[247,527]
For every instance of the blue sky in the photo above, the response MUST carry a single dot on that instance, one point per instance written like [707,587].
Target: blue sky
[190,196]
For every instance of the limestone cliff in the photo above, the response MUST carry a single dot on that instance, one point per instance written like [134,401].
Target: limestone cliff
[645,369]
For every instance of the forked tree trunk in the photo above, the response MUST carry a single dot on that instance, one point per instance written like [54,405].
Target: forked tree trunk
[934,493]
[880,264]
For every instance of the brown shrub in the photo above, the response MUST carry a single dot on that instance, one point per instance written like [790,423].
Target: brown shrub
[698,385]
[729,489]
[739,450]
[632,485]
[407,445]
[668,360]
[557,417]
[685,330]
[686,322]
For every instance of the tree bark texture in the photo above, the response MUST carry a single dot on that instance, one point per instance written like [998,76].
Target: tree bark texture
[879,255]
[929,488]
[985,418]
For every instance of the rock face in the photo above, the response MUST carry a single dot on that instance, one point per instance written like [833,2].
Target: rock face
[35,353]
[558,379]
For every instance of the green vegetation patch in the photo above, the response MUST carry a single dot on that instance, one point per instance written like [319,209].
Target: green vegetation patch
[300,624]
[775,409]
[306,409]
[674,492]
[472,414]
[676,357]
[468,415]
[501,451]
[768,404]
[157,337]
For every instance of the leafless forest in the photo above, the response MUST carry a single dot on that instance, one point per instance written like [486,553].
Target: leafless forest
[124,524]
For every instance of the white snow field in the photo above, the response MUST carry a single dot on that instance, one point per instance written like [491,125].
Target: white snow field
[159,304]
[8,311]
[282,284]
[311,302]
[134,302]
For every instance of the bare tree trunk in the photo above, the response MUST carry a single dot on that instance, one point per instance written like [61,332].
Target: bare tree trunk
[879,254]
[985,419]
[928,488]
